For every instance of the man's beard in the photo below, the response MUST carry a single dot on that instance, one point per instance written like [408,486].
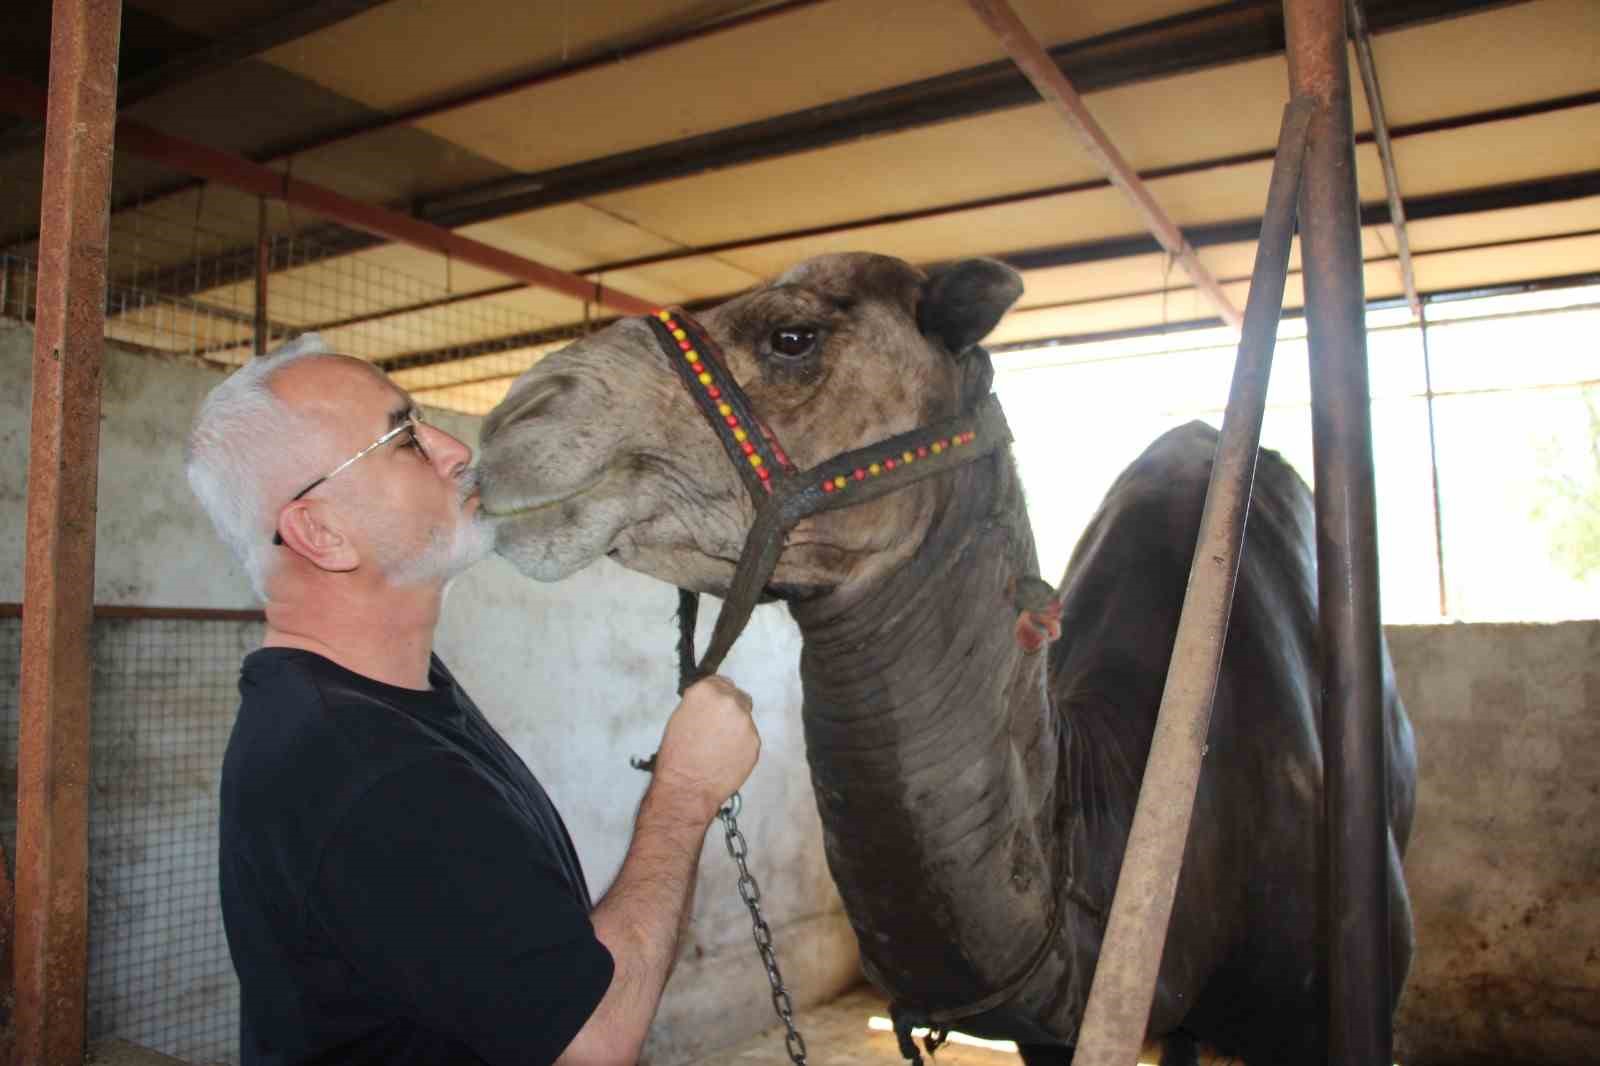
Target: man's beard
[447,554]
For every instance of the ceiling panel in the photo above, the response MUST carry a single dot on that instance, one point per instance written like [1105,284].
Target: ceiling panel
[1514,54]
[1559,142]
[403,53]
[1515,223]
[1557,257]
[570,236]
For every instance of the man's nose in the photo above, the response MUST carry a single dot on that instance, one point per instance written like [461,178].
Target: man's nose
[448,452]
[528,402]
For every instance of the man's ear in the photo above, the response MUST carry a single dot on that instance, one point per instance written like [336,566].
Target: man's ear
[305,529]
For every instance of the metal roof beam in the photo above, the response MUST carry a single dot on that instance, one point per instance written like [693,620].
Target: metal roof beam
[1195,167]
[1368,65]
[1238,231]
[1216,36]
[257,180]
[1490,198]
[1226,33]
[1446,205]
[1031,58]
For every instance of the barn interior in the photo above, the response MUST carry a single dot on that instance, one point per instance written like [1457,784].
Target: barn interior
[453,191]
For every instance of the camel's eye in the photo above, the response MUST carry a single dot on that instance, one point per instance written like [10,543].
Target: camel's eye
[792,342]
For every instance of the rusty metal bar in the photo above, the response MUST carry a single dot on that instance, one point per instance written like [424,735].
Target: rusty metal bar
[1031,58]
[133,611]
[1433,466]
[239,173]
[58,582]
[1355,897]
[1124,983]
[1380,133]
[8,925]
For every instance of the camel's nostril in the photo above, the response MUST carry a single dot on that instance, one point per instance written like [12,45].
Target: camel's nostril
[528,403]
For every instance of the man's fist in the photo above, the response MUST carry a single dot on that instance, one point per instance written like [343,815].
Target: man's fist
[709,747]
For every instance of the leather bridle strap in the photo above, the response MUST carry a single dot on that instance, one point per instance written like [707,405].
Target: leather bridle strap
[784,496]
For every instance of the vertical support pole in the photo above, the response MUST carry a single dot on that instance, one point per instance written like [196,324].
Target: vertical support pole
[1118,1010]
[1355,901]
[263,269]
[58,582]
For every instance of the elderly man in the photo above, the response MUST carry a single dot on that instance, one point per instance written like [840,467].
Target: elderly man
[396,885]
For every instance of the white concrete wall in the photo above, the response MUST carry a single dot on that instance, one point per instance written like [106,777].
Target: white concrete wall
[1504,864]
[578,676]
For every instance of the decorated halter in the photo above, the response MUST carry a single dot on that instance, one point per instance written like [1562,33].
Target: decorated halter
[784,495]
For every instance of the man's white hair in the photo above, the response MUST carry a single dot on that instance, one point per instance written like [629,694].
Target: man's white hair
[246,443]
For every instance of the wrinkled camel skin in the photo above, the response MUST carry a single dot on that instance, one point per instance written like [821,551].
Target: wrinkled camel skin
[975,800]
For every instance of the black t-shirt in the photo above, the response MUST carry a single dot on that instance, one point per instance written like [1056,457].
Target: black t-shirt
[396,886]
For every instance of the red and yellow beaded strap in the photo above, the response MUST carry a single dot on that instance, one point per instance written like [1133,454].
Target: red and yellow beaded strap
[784,496]
[699,362]
[892,461]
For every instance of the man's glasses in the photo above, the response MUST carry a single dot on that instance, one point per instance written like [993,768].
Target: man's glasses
[407,426]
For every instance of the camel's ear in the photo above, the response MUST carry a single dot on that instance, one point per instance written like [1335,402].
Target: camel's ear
[962,302]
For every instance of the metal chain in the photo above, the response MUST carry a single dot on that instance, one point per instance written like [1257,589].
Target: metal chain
[750,892]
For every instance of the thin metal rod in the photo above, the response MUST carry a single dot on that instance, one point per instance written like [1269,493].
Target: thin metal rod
[58,575]
[1433,465]
[1034,62]
[1355,902]
[263,272]
[1118,1011]
[1380,132]
[136,612]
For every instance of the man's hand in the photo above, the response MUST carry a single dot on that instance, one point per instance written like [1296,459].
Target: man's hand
[709,747]
[708,750]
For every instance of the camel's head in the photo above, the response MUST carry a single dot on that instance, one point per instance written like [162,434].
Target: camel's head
[600,450]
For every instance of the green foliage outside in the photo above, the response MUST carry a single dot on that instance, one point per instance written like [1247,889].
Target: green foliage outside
[1569,496]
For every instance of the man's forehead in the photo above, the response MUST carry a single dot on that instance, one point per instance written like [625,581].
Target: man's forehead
[340,383]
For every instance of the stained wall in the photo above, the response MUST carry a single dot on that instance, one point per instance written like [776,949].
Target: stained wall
[1504,864]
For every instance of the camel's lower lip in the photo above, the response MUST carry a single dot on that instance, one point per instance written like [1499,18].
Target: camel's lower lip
[542,505]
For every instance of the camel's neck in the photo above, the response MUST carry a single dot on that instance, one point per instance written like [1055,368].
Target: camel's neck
[933,752]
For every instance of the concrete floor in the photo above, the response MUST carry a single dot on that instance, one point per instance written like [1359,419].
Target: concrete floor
[836,1034]
[122,1053]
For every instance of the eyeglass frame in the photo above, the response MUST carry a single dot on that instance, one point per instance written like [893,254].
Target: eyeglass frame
[410,421]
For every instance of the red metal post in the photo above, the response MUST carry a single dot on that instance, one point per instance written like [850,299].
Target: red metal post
[1355,896]
[58,580]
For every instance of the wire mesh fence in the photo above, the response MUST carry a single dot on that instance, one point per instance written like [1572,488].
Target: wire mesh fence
[164,697]
[209,276]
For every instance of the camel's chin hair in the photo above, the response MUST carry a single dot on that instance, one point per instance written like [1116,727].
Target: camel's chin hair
[549,545]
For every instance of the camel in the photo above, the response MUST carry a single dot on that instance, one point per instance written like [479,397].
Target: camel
[975,794]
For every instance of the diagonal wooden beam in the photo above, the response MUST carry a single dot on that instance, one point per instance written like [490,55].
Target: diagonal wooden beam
[239,173]
[1032,59]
